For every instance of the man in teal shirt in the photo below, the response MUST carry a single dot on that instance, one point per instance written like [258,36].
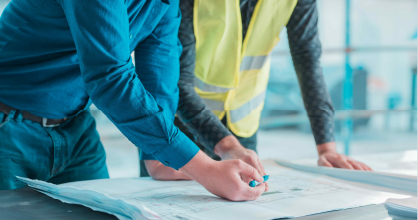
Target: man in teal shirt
[58,56]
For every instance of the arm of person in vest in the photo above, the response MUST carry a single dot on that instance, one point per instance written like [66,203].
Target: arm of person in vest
[100,29]
[195,114]
[305,48]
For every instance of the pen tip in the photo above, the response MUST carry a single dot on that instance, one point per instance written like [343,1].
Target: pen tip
[266,177]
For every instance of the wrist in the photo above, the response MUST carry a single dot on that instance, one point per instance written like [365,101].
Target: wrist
[160,172]
[326,147]
[227,144]
[198,166]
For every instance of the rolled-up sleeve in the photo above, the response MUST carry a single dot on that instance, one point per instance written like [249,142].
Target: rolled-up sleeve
[100,29]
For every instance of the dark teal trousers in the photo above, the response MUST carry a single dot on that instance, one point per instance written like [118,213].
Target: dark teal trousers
[69,152]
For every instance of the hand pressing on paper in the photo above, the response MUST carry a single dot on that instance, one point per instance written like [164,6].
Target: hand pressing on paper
[230,148]
[329,157]
[223,178]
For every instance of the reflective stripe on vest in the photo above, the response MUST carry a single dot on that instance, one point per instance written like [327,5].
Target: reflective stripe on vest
[208,88]
[242,111]
[253,63]
[246,109]
[248,63]
[215,105]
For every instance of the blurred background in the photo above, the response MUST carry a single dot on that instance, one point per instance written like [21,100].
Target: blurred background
[370,66]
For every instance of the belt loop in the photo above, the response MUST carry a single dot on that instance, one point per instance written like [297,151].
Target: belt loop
[2,117]
[8,117]
[18,116]
[11,115]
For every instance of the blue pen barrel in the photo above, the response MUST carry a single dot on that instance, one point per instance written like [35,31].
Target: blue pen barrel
[255,183]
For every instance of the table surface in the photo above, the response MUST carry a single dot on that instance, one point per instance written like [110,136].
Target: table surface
[26,203]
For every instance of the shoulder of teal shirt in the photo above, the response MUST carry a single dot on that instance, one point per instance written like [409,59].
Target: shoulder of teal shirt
[144,114]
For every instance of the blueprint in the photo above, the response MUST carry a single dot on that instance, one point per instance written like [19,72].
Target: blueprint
[291,194]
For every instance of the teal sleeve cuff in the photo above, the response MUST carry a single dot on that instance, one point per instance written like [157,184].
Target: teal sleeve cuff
[144,156]
[178,153]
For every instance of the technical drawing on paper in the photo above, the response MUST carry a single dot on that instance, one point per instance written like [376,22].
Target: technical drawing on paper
[190,200]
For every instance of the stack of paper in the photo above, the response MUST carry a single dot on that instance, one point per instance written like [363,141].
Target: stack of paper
[395,181]
[402,207]
[291,194]
[92,199]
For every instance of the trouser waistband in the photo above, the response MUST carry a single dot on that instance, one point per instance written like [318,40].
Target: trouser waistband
[45,122]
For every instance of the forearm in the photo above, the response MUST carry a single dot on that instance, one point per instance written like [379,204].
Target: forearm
[227,144]
[198,118]
[192,110]
[305,49]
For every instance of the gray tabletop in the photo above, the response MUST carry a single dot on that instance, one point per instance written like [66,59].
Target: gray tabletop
[26,203]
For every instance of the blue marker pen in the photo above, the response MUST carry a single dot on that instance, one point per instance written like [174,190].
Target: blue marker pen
[255,183]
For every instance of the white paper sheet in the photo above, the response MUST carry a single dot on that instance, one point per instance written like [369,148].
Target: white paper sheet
[403,207]
[291,194]
[396,181]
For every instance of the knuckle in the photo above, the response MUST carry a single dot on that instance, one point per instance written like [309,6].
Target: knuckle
[253,170]
[239,163]
[247,158]
[253,160]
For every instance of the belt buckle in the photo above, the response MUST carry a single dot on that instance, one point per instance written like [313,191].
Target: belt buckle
[44,120]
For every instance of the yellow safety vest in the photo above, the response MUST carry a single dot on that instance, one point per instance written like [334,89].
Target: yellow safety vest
[232,75]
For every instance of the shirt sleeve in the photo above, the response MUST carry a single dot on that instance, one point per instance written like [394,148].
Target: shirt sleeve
[192,110]
[100,29]
[305,49]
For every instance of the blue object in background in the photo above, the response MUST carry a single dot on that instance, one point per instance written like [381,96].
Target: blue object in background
[394,99]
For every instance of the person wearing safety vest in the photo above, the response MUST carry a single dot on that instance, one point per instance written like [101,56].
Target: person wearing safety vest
[224,71]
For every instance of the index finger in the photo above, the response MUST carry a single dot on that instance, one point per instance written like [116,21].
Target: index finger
[250,172]
[257,166]
[253,160]
[262,167]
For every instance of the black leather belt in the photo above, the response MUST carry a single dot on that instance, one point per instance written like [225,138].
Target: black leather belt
[47,123]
